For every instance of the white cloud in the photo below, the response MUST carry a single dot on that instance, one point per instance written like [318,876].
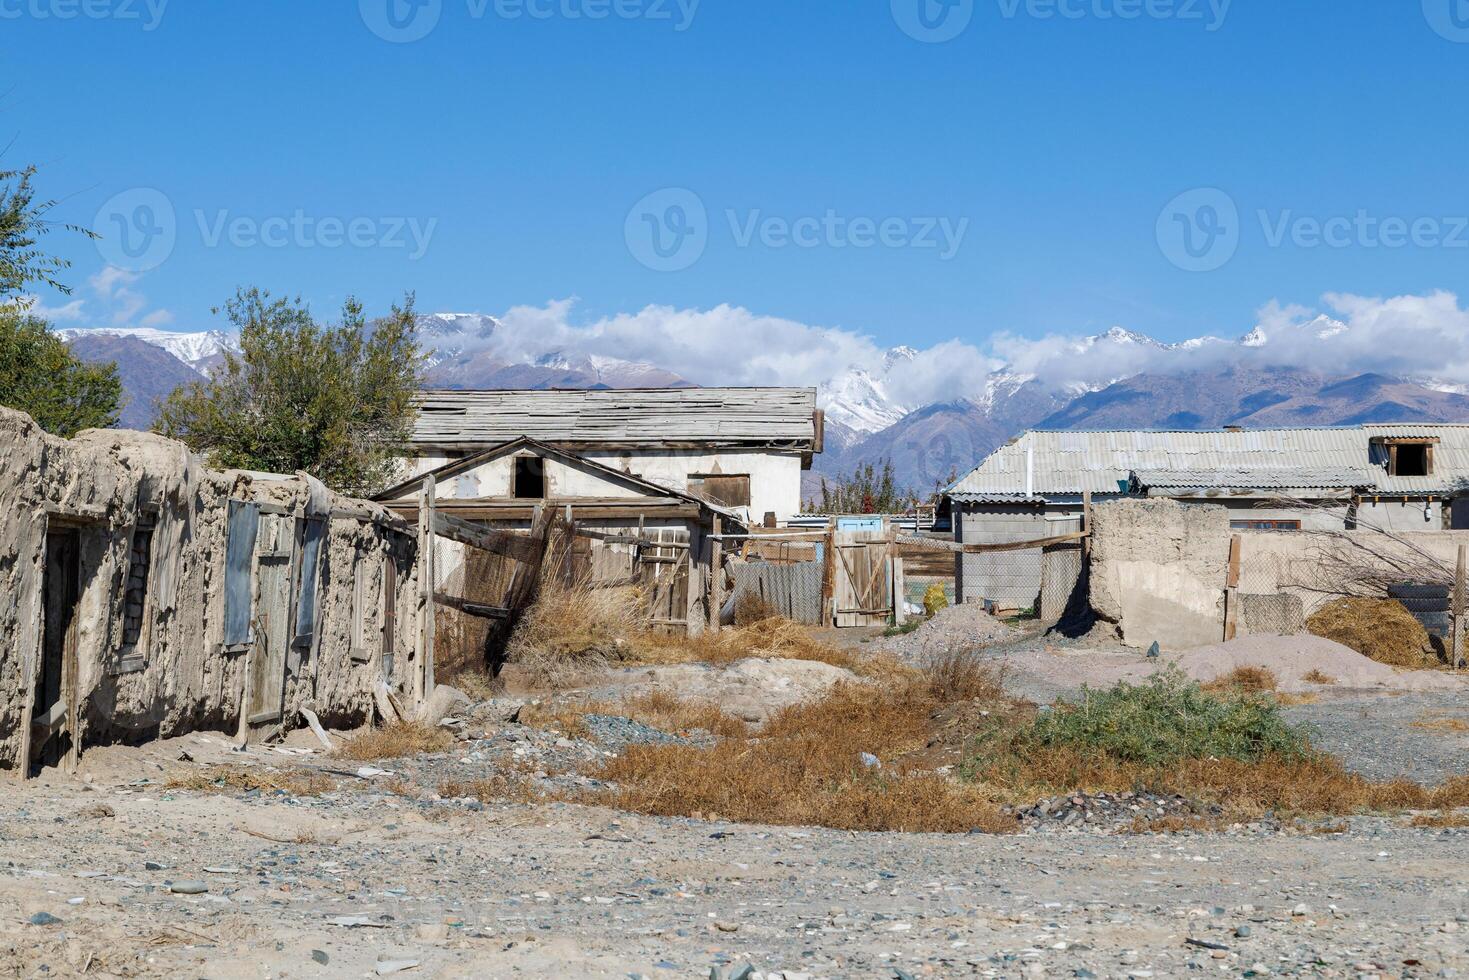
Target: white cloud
[1423,337]
[109,279]
[66,313]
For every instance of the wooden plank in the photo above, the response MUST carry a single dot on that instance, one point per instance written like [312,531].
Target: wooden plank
[900,593]
[933,544]
[423,675]
[479,609]
[716,576]
[507,544]
[1231,591]
[1460,587]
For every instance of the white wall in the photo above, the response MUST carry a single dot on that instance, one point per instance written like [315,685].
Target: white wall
[775,477]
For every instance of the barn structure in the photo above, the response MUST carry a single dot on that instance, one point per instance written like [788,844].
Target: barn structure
[1400,476]
[743,449]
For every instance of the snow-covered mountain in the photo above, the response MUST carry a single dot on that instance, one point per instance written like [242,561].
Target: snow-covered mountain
[859,399]
[200,351]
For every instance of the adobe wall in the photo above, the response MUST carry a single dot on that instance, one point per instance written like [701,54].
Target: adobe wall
[177,678]
[1158,571]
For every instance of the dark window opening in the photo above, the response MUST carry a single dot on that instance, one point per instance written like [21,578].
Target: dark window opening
[135,596]
[1264,525]
[1411,459]
[530,478]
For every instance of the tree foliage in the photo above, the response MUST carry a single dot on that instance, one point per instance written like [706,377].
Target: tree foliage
[868,491]
[40,376]
[38,373]
[22,225]
[333,401]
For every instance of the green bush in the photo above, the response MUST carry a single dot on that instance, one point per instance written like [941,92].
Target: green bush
[1166,720]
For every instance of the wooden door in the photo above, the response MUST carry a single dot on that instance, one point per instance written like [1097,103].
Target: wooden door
[665,574]
[862,590]
[266,682]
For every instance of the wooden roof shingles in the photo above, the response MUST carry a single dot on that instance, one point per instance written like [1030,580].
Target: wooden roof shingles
[651,417]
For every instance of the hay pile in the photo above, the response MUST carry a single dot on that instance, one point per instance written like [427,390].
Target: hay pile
[1377,628]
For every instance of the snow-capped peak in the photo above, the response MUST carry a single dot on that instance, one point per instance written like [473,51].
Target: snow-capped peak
[194,349]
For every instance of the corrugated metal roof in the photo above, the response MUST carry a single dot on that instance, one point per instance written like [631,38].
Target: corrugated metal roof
[1103,461]
[653,417]
[1282,478]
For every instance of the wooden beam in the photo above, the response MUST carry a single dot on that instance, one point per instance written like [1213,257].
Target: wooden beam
[1460,587]
[1231,590]
[508,544]
[427,587]
[933,544]
[716,576]
[478,609]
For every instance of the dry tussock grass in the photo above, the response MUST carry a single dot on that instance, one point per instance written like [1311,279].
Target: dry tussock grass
[806,768]
[1318,677]
[515,783]
[1442,820]
[572,632]
[242,779]
[1251,680]
[1442,725]
[394,742]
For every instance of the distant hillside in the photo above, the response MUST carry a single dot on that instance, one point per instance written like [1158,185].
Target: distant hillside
[149,373]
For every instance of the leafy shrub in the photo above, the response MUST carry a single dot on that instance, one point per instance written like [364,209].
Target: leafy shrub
[1167,720]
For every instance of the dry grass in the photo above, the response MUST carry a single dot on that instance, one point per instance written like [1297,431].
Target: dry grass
[394,742]
[243,779]
[1442,820]
[1317,677]
[1250,680]
[572,632]
[1447,726]
[1378,628]
[515,783]
[806,768]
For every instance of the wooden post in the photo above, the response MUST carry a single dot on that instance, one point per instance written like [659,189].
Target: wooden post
[1459,597]
[1231,590]
[829,573]
[716,575]
[892,570]
[1086,525]
[900,592]
[423,677]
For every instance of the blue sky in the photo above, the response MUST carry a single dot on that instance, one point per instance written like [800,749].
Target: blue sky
[519,147]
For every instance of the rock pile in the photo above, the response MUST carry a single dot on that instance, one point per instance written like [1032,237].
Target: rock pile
[1108,811]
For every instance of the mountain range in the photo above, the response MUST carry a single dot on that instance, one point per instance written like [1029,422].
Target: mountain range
[1203,383]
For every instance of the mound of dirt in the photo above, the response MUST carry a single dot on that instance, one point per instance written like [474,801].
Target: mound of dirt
[1381,629]
[751,690]
[953,629]
[1300,662]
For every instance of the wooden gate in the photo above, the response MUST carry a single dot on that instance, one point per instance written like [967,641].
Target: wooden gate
[862,584]
[663,562]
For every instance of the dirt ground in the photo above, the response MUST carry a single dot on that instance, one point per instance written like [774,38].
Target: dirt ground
[116,873]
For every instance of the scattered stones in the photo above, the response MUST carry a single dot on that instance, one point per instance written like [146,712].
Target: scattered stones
[45,919]
[1109,811]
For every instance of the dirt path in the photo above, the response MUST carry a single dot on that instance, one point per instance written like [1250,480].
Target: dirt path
[359,881]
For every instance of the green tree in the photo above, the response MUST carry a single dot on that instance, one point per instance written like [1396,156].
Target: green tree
[868,491]
[22,225]
[40,376]
[38,373]
[334,401]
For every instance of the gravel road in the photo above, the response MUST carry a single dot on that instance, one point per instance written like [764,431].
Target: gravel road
[1424,737]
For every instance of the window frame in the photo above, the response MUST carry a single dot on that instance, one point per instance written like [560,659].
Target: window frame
[1267,525]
